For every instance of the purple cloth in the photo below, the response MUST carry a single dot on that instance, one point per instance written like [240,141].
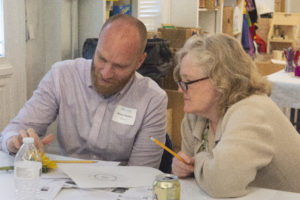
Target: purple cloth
[297,71]
[245,33]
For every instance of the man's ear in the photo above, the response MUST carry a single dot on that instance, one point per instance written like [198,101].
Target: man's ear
[142,58]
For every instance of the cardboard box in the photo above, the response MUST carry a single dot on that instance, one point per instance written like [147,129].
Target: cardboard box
[201,3]
[267,67]
[178,35]
[151,35]
[211,4]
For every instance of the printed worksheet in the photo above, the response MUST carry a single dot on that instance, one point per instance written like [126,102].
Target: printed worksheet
[90,176]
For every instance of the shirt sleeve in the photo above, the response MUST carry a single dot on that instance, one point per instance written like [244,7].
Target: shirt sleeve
[146,152]
[37,113]
[245,147]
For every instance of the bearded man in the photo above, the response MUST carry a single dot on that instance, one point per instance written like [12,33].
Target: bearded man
[105,109]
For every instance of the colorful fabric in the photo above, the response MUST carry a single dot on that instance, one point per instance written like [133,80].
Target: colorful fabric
[245,32]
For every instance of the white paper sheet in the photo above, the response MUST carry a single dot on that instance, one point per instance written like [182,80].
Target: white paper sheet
[54,174]
[89,176]
[58,173]
[48,188]
[139,193]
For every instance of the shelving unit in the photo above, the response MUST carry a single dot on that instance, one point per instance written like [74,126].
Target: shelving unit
[284,31]
[188,14]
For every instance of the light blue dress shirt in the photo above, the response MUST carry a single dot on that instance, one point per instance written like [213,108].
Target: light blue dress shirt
[89,125]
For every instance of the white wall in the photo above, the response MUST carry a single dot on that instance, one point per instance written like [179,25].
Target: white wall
[264,6]
[166,14]
[42,50]
[35,47]
[12,66]
[91,18]
[55,27]
[292,6]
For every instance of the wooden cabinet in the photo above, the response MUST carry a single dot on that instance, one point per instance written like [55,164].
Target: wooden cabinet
[284,31]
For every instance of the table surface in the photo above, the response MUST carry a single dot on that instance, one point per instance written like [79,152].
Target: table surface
[286,89]
[189,189]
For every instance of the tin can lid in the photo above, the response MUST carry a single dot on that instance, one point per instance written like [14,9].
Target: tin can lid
[166,177]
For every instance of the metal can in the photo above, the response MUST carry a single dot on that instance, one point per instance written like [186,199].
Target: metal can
[166,187]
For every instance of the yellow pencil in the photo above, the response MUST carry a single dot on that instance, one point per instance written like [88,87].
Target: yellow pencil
[168,149]
[75,161]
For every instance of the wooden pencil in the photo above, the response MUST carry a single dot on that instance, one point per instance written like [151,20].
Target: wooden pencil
[168,149]
[75,161]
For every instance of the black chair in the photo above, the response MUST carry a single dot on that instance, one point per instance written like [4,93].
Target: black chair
[89,48]
[166,160]
[295,121]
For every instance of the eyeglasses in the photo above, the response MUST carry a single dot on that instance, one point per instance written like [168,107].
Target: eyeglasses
[184,85]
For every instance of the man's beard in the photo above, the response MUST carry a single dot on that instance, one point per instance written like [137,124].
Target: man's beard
[111,87]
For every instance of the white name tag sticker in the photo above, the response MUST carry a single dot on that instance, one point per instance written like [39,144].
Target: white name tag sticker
[124,115]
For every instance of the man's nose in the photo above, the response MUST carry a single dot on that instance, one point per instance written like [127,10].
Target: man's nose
[107,71]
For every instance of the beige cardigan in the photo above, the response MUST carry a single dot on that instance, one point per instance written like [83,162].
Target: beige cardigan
[255,145]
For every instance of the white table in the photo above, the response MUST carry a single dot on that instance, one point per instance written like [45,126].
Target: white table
[286,89]
[189,189]
[286,92]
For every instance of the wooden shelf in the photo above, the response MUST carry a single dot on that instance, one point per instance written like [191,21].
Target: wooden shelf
[207,10]
[281,41]
[285,25]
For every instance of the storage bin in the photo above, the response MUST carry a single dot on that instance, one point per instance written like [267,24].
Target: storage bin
[210,4]
[201,3]
[178,35]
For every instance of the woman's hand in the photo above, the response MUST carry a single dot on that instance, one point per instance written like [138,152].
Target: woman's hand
[181,169]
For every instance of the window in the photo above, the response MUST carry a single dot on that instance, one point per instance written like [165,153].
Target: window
[149,13]
[2,47]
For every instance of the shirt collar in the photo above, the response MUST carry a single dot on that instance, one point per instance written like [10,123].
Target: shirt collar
[218,131]
[200,127]
[89,74]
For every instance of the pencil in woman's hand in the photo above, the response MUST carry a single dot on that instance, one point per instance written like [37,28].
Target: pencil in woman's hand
[169,150]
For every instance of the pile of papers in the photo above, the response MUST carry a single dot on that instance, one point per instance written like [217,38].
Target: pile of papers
[100,180]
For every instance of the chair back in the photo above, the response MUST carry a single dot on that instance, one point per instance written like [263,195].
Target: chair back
[166,160]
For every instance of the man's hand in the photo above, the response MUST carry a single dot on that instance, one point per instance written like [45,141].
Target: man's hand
[181,169]
[15,142]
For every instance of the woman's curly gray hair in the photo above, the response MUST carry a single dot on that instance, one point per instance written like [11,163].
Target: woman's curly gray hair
[231,70]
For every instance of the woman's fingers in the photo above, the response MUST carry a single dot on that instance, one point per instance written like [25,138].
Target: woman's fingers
[187,159]
[181,169]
